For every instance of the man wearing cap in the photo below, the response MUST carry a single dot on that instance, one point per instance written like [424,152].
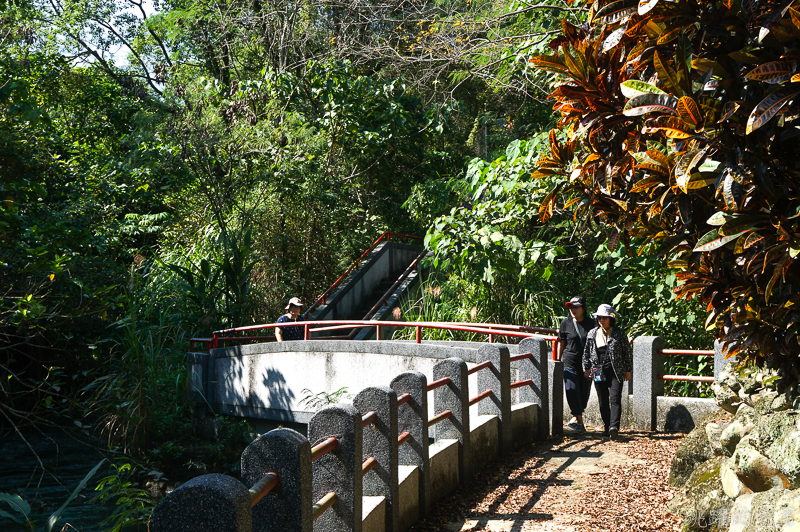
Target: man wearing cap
[572,339]
[285,333]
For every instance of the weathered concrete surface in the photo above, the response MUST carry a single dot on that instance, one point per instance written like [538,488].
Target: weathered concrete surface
[409,497]
[273,381]
[373,510]
[682,414]
[444,468]
[524,418]
[485,441]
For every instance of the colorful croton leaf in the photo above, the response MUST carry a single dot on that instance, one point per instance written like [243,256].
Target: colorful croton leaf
[684,124]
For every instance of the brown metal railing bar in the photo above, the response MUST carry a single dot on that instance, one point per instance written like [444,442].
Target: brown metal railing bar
[447,414]
[403,399]
[688,378]
[404,437]
[369,417]
[320,450]
[480,397]
[520,357]
[482,365]
[368,465]
[520,384]
[262,487]
[689,352]
[323,504]
[437,384]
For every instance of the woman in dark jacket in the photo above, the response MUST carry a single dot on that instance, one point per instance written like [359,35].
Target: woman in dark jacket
[608,360]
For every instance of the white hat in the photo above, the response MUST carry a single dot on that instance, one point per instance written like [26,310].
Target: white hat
[296,302]
[605,310]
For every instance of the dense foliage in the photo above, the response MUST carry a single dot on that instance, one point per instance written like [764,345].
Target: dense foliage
[680,121]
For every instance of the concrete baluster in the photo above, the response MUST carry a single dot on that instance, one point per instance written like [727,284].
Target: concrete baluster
[379,440]
[209,503]
[719,359]
[556,379]
[648,364]
[497,378]
[455,398]
[412,417]
[537,370]
[338,471]
[288,506]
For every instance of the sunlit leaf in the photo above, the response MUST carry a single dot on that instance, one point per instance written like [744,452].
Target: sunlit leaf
[713,240]
[769,107]
[633,88]
[772,72]
[649,103]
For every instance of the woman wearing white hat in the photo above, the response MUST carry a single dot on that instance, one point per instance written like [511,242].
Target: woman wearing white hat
[608,360]
[285,334]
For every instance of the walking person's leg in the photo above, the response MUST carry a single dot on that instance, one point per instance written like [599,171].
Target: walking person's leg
[615,403]
[572,388]
[602,400]
[586,391]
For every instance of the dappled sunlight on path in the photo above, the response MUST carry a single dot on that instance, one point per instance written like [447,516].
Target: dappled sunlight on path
[576,483]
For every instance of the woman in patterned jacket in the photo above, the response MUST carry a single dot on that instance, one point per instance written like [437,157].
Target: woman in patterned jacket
[607,360]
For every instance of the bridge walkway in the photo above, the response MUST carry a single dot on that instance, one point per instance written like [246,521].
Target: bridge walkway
[569,484]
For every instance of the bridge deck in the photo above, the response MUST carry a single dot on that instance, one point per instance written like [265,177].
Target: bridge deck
[564,485]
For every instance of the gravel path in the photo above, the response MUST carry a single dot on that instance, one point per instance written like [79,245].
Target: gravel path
[584,483]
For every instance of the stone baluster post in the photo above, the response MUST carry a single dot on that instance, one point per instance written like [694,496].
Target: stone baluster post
[537,370]
[288,506]
[455,398]
[719,359]
[338,471]
[648,364]
[497,378]
[556,378]
[379,440]
[412,417]
[209,503]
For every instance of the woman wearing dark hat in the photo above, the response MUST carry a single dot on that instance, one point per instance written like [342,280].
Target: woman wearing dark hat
[287,333]
[572,339]
[607,360]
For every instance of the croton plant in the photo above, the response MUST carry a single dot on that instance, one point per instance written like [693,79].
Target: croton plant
[684,135]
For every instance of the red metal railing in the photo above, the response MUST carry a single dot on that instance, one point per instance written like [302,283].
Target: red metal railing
[368,465]
[323,504]
[403,399]
[437,384]
[478,367]
[262,487]
[438,418]
[686,352]
[520,384]
[404,437]
[323,448]
[368,418]
[480,397]
[311,327]
[387,235]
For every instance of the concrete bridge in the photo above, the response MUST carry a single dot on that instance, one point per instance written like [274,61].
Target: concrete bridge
[379,463]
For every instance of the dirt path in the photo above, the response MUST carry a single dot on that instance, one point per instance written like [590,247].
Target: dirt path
[584,483]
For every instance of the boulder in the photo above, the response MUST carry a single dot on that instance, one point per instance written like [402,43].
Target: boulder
[755,470]
[702,502]
[725,397]
[693,451]
[785,454]
[714,435]
[755,511]
[733,434]
[731,485]
[787,512]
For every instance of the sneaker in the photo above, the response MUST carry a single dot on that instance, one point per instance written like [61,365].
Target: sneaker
[573,425]
[604,434]
[579,428]
[613,434]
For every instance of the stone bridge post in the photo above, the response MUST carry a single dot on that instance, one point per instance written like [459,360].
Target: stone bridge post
[339,471]
[536,369]
[648,364]
[379,440]
[210,503]
[497,378]
[455,398]
[288,506]
[412,417]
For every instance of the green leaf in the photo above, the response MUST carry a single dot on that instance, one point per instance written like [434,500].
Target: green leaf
[633,88]
[53,519]
[649,103]
[713,240]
